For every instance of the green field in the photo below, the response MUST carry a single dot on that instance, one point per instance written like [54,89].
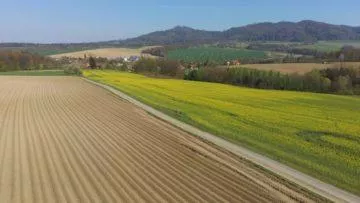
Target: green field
[35,73]
[220,55]
[322,46]
[329,46]
[318,134]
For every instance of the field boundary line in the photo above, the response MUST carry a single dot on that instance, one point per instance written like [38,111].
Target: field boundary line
[319,187]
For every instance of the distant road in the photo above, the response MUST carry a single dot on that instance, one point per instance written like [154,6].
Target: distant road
[326,190]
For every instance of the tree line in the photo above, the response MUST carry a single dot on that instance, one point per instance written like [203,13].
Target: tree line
[344,80]
[21,60]
[158,66]
[338,80]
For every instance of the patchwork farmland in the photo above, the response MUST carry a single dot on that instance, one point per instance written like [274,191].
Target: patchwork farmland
[219,55]
[65,140]
[314,133]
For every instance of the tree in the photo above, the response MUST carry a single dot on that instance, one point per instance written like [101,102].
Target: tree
[344,83]
[2,67]
[168,67]
[146,65]
[312,81]
[124,67]
[92,62]
[325,84]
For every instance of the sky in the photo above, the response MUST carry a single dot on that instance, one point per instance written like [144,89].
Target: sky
[51,21]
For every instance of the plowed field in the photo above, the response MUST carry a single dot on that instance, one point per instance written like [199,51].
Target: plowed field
[65,140]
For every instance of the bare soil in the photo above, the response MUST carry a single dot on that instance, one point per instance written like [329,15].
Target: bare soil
[105,53]
[65,140]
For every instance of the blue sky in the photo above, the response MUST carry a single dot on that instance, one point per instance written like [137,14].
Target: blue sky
[95,20]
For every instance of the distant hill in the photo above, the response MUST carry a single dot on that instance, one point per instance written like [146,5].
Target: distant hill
[177,35]
[304,31]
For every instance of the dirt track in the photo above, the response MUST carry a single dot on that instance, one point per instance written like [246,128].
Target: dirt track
[63,139]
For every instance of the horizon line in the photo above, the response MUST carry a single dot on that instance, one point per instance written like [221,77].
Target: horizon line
[122,39]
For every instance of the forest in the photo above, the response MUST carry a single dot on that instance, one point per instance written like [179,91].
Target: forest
[344,80]
[21,60]
[335,80]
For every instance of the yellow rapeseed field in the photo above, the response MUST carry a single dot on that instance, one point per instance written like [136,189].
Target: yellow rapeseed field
[318,134]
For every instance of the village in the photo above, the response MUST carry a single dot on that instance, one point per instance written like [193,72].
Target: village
[97,62]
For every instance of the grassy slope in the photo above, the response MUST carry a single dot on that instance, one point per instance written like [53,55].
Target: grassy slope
[35,73]
[315,133]
[203,54]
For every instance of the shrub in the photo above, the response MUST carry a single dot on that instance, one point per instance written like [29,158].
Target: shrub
[109,66]
[214,74]
[344,84]
[168,67]
[193,74]
[123,67]
[72,70]
[92,62]
[145,65]
[157,66]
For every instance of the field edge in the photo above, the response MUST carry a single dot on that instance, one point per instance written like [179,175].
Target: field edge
[292,175]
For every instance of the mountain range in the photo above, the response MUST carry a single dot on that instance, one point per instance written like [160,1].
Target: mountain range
[303,31]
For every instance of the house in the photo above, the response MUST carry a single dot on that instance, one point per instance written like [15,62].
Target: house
[235,62]
[87,66]
[134,58]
